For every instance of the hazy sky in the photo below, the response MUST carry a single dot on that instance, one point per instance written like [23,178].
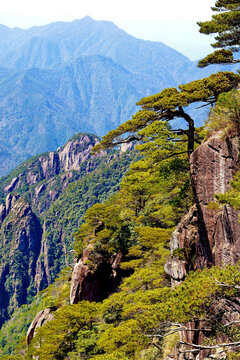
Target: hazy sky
[170,21]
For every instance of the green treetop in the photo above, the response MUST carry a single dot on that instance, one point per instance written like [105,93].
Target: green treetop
[225,24]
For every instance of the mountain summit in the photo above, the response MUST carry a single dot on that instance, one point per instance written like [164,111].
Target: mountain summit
[60,42]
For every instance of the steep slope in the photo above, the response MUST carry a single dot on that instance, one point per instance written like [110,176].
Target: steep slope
[146,318]
[40,212]
[209,236]
[126,239]
[209,233]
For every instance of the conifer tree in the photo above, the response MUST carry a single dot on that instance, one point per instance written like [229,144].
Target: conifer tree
[225,25]
[169,104]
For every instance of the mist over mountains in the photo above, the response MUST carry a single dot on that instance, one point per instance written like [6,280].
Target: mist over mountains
[86,75]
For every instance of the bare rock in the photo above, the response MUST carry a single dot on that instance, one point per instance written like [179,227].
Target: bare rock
[40,319]
[39,189]
[126,146]
[213,166]
[76,151]
[12,185]
[183,246]
[207,236]
[2,213]
[94,276]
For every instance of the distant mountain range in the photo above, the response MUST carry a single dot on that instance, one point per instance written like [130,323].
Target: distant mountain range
[87,75]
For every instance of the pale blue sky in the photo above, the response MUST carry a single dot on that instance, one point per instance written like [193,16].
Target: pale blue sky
[170,21]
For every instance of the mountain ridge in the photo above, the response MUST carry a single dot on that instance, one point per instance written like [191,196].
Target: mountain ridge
[67,77]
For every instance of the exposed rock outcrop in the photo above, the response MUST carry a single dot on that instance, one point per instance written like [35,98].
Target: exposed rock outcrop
[26,256]
[94,276]
[40,319]
[208,235]
[21,234]
[45,168]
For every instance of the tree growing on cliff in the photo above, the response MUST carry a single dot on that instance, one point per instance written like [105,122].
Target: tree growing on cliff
[169,104]
[225,24]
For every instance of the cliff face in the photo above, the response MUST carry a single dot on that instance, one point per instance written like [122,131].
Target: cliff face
[208,235]
[94,281]
[21,234]
[48,174]
[40,319]
[29,260]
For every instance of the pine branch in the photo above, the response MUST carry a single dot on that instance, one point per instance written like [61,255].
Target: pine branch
[209,347]
[231,323]
[226,285]
[128,139]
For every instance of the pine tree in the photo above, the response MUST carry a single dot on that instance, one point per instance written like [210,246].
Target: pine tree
[169,104]
[225,24]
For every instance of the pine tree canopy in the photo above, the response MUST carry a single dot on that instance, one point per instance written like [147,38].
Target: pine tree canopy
[225,24]
[170,104]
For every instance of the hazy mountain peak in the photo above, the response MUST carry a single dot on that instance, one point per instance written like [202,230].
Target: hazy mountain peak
[65,77]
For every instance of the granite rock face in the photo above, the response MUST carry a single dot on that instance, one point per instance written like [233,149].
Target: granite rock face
[208,235]
[21,234]
[40,319]
[44,169]
[94,276]
[213,166]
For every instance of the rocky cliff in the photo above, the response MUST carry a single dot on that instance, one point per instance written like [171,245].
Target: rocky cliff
[35,240]
[25,259]
[94,276]
[206,236]
[209,234]
[41,174]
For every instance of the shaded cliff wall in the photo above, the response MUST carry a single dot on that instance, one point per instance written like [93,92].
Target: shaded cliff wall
[20,246]
[95,276]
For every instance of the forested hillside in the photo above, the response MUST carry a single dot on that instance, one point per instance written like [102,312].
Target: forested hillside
[141,226]
[43,203]
[127,242]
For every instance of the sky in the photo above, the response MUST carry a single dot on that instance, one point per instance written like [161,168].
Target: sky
[170,21]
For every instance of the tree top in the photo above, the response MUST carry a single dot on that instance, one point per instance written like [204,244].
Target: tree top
[169,104]
[225,24]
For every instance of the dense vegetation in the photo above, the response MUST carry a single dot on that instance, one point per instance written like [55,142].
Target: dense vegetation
[138,220]
[51,216]
[142,320]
